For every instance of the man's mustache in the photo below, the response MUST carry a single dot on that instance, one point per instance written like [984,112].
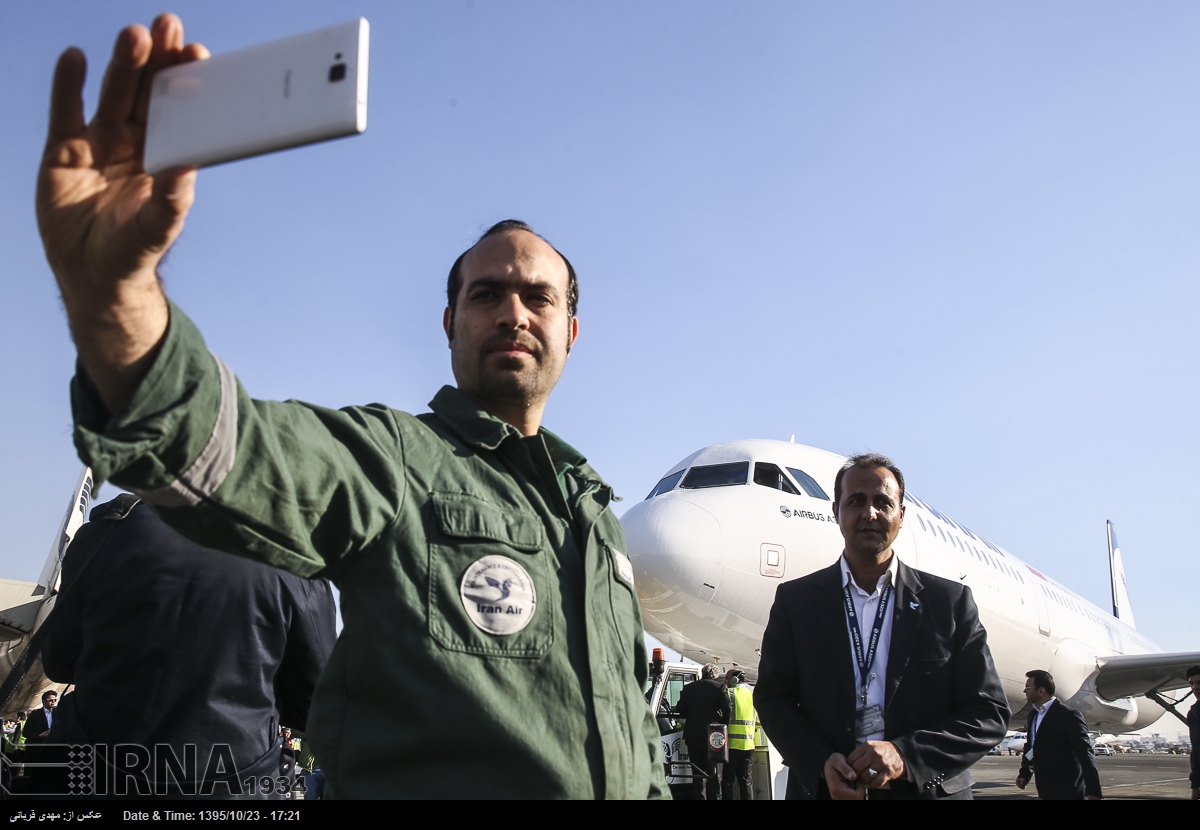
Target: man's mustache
[504,342]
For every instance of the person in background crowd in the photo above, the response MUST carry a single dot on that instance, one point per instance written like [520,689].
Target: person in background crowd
[1058,755]
[742,731]
[38,724]
[702,702]
[1193,719]
[170,643]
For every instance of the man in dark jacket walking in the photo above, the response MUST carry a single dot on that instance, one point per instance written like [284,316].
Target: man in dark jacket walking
[703,702]
[1193,719]
[1057,750]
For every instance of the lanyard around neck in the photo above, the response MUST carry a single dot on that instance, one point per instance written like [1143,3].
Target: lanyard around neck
[867,659]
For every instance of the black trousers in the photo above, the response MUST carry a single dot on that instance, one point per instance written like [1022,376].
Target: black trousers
[739,770]
[704,789]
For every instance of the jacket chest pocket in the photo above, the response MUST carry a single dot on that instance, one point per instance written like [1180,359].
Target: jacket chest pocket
[490,579]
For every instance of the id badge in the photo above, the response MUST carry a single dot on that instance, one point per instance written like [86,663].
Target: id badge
[868,721]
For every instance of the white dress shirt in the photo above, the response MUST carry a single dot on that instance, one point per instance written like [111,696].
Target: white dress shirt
[1037,721]
[866,606]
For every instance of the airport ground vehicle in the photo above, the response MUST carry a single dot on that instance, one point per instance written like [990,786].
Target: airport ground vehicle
[1102,749]
[666,682]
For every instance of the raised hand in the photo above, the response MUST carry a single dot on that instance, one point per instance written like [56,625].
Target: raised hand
[105,223]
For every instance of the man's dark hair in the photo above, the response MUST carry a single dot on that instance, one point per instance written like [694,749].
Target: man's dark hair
[47,694]
[870,461]
[1042,680]
[1192,672]
[454,281]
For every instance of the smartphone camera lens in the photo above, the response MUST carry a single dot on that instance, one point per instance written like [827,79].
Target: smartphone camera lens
[337,72]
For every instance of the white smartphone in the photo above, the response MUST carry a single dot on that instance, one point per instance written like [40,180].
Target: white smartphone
[298,90]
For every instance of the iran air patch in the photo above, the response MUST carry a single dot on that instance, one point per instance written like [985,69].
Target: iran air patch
[498,595]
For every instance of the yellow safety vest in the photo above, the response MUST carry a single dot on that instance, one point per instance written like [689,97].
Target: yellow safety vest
[741,721]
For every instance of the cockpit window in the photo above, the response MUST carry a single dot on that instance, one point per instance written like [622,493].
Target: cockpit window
[666,484]
[768,475]
[808,483]
[716,475]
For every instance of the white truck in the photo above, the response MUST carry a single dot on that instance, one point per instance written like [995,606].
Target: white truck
[666,682]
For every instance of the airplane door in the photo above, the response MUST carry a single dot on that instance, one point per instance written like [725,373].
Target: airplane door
[1043,611]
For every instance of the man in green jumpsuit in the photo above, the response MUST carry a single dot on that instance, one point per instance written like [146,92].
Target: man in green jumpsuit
[492,644]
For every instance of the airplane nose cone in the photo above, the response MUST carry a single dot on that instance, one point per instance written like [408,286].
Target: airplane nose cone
[675,547]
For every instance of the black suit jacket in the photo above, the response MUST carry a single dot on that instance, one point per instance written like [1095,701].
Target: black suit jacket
[169,642]
[944,705]
[1193,719]
[35,725]
[702,702]
[1064,766]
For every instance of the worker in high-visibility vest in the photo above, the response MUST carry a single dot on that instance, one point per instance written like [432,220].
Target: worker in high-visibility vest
[742,728]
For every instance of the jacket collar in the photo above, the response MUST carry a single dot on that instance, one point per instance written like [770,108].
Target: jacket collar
[906,625]
[484,431]
[1045,706]
[869,590]
[470,423]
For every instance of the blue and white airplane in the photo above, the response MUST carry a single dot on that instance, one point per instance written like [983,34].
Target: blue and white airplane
[24,606]
[726,525]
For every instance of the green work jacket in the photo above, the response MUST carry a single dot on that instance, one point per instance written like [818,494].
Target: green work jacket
[492,643]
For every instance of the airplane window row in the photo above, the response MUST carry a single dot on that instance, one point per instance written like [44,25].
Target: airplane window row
[971,550]
[950,522]
[1116,635]
[726,475]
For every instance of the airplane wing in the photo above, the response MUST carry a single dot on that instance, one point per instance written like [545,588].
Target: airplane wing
[1141,674]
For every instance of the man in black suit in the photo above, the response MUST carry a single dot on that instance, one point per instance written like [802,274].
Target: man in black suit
[1057,749]
[37,725]
[702,702]
[164,647]
[1193,719]
[876,679]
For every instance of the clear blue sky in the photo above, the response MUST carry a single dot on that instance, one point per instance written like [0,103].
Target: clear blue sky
[963,234]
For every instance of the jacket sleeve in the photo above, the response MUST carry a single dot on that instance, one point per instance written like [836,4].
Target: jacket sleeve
[310,640]
[1026,770]
[1083,752]
[1194,733]
[289,484]
[64,634]
[802,746]
[952,745]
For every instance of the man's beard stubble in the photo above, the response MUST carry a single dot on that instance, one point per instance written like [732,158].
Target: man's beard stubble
[511,381]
